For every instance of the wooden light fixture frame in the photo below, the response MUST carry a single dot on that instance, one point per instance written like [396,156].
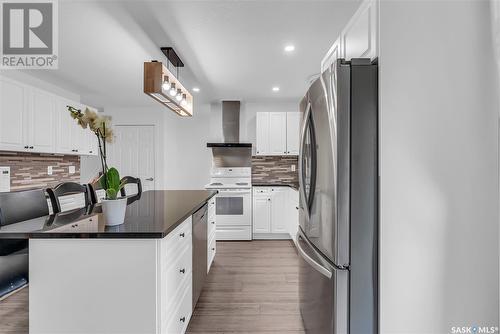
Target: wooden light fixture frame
[154,74]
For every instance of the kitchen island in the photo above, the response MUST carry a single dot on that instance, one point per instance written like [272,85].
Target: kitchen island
[132,278]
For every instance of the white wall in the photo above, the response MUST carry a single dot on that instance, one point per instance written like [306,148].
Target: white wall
[439,181]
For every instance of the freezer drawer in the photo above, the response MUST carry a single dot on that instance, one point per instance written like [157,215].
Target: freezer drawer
[323,292]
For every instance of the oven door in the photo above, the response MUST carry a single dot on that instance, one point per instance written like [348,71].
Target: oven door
[233,207]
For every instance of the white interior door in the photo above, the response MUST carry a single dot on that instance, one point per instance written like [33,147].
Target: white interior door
[132,153]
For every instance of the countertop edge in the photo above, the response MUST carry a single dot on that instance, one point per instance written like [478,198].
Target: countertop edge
[107,235]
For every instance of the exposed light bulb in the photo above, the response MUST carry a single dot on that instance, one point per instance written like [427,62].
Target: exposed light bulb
[289,48]
[165,85]
[196,89]
[184,101]
[178,97]
[276,89]
[172,90]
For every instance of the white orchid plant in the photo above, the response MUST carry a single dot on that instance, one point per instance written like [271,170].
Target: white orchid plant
[100,125]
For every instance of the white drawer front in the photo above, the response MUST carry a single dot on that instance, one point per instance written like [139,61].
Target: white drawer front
[179,321]
[178,239]
[212,249]
[83,226]
[178,271]
[261,190]
[234,232]
[212,225]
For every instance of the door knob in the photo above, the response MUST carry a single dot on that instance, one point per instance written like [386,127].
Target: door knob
[149,179]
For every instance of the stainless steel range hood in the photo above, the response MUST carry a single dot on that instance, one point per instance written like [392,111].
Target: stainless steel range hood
[230,126]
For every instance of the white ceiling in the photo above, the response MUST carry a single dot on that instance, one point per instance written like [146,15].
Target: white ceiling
[231,49]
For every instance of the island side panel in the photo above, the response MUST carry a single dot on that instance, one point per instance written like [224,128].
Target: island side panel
[93,286]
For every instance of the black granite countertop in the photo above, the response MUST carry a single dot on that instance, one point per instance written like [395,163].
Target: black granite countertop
[276,184]
[154,215]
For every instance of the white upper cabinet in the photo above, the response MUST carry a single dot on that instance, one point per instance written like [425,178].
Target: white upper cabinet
[359,37]
[278,133]
[293,132]
[13,115]
[41,122]
[262,140]
[65,126]
[79,136]
[34,120]
[92,144]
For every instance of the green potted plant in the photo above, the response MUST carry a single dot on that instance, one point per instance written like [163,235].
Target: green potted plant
[113,207]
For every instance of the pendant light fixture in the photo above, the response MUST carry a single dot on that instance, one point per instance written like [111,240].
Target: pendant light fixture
[163,86]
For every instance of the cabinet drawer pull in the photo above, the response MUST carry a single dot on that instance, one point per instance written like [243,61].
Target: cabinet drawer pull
[213,248]
[31,147]
[297,207]
[213,223]
[26,147]
[182,271]
[183,319]
[181,235]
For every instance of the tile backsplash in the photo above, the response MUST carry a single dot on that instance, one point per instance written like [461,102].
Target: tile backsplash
[274,170]
[29,170]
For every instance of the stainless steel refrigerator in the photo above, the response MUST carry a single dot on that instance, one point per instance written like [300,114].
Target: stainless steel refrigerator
[338,173]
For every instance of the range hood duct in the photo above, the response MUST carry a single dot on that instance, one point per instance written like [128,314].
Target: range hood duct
[230,126]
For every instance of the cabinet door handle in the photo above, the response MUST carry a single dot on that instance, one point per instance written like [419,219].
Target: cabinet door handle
[31,147]
[213,223]
[269,199]
[213,249]
[26,146]
[183,319]
[181,235]
[182,271]
[297,207]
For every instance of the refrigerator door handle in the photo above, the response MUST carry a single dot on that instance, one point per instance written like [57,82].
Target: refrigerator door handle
[301,152]
[318,267]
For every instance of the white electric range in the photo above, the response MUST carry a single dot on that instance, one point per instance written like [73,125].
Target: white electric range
[233,203]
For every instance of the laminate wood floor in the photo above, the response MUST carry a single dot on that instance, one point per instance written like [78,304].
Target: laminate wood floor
[252,288]
[14,313]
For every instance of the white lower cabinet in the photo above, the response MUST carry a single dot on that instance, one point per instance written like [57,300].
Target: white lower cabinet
[96,286]
[211,233]
[293,212]
[176,277]
[272,217]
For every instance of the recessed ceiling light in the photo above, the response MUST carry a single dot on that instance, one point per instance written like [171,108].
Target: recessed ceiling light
[276,89]
[289,48]
[196,89]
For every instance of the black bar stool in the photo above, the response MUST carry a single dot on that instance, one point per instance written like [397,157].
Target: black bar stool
[66,189]
[16,207]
